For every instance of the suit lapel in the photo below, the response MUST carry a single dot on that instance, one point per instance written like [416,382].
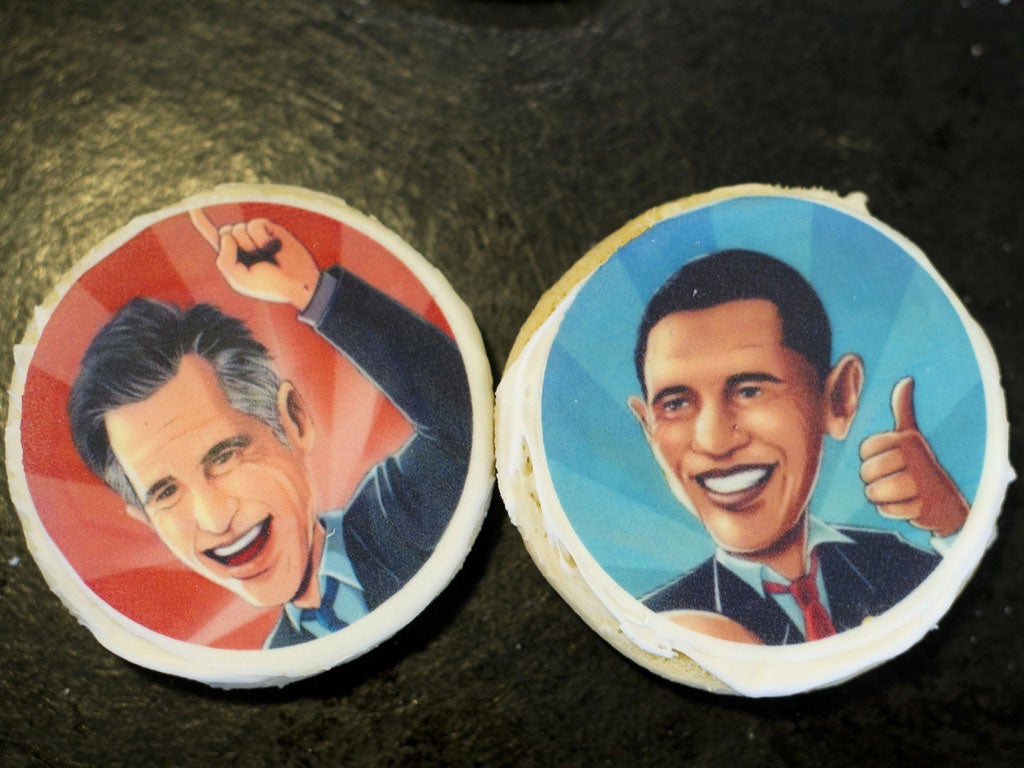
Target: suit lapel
[760,615]
[850,594]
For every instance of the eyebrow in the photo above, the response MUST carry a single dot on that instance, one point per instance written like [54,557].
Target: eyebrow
[736,380]
[740,379]
[155,489]
[239,441]
[679,389]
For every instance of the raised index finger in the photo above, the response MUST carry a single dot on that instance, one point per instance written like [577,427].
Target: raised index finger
[205,227]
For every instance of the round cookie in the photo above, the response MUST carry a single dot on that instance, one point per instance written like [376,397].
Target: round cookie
[754,440]
[250,436]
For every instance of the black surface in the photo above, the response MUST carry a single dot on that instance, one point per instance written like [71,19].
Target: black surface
[502,140]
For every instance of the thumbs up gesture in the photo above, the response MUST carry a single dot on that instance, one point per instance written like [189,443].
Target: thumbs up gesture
[903,478]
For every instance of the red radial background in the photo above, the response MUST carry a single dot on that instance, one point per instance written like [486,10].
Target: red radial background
[121,559]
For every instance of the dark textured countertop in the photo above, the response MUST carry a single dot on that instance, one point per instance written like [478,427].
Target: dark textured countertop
[502,140]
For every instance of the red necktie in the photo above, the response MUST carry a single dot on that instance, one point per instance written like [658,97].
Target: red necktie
[805,591]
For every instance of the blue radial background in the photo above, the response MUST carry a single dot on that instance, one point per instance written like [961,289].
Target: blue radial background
[882,305]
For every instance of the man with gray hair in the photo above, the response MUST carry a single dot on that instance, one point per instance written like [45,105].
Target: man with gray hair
[181,413]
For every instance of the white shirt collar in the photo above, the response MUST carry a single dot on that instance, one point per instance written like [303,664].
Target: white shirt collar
[755,573]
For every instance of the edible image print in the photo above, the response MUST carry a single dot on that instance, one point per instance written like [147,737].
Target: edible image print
[764,420]
[247,426]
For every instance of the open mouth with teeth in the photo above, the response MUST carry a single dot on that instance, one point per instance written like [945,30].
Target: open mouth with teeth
[244,549]
[737,486]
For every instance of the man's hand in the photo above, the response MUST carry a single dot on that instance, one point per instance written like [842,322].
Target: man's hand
[261,259]
[903,478]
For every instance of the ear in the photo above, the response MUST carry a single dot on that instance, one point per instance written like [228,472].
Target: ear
[138,514]
[639,409]
[297,423]
[842,395]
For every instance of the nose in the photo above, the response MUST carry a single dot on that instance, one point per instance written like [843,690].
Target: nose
[716,431]
[213,508]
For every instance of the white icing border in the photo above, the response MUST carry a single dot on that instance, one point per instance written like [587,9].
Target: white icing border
[232,668]
[648,637]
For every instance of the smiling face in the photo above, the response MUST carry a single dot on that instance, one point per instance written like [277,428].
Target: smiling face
[738,420]
[224,494]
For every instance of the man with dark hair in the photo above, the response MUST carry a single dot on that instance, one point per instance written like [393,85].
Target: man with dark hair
[181,412]
[733,355]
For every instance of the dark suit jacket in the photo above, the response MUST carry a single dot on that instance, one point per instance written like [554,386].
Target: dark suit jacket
[404,504]
[863,578]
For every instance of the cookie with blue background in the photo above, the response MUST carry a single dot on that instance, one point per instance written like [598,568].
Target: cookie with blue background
[754,440]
